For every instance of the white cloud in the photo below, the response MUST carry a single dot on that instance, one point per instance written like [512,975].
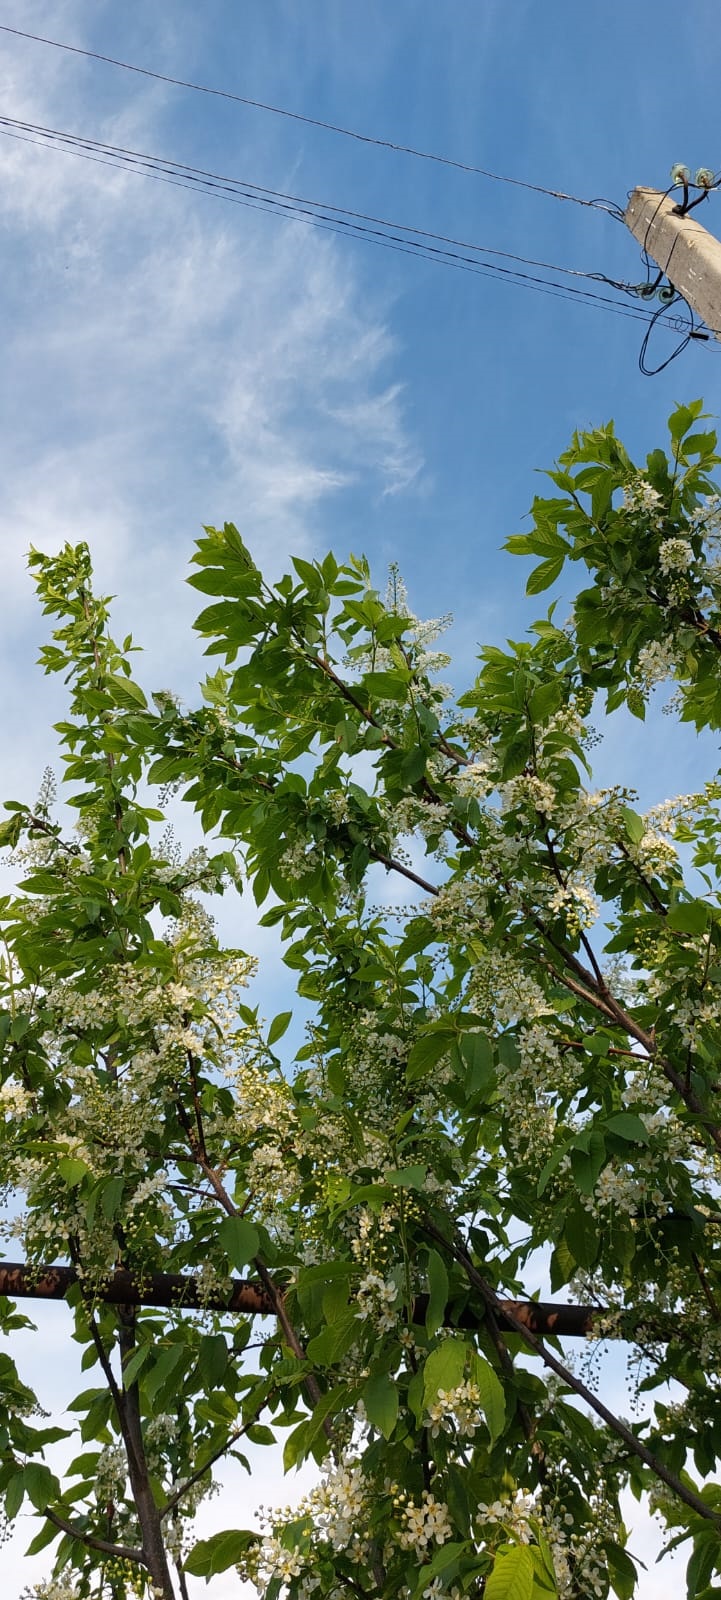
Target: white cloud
[170,359]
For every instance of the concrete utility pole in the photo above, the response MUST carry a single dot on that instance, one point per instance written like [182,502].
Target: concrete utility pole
[688,256]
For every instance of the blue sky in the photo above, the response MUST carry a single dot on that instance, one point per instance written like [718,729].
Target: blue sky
[170,360]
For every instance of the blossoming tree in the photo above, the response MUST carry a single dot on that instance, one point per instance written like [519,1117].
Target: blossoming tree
[515,1073]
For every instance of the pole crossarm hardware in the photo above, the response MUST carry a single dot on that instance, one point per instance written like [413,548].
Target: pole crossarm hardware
[180,1292]
[687,254]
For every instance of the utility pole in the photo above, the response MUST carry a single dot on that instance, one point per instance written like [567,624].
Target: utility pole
[683,251]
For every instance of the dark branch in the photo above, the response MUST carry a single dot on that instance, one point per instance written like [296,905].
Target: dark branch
[181,1293]
[121,1551]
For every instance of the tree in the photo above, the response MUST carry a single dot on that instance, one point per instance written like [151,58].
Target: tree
[522,1060]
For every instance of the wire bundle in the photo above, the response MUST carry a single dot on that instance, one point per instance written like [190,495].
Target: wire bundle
[389,234]
[440,249]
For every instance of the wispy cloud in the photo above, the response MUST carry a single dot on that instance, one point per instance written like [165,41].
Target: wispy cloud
[169,360]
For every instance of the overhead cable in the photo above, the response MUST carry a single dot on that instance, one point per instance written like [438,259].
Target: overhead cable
[201,176]
[349,224]
[609,206]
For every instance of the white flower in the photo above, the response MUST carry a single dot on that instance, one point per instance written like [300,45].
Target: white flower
[675,555]
[375,1296]
[655,663]
[14,1100]
[456,1411]
[639,497]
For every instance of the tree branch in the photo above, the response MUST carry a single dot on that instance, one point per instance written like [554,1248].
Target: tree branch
[94,1542]
[178,1292]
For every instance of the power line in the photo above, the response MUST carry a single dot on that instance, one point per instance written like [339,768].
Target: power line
[201,175]
[318,214]
[316,122]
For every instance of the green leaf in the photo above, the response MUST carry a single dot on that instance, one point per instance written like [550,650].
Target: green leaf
[308,574]
[218,1553]
[135,1364]
[278,1026]
[165,1367]
[581,1236]
[621,1570]
[443,1562]
[125,693]
[14,1495]
[493,1400]
[296,1446]
[444,1368]
[627,1125]
[386,685]
[258,1433]
[72,1171]
[39,1484]
[682,418]
[112,1196]
[476,1053]
[380,1398]
[688,916]
[427,1051]
[240,1240]
[545,699]
[335,1339]
[512,1575]
[545,574]
[42,1539]
[553,1162]
[438,1293]
[706,1559]
[413,766]
[586,1164]
[407,1177]
[213,1359]
[11,831]
[635,825]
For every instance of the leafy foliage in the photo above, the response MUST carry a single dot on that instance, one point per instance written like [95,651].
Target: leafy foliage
[523,1060]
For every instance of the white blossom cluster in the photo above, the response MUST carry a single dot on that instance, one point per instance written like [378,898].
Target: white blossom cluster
[111,1474]
[706,519]
[382,1224]
[501,988]
[415,652]
[655,663]
[529,790]
[426,818]
[456,1411]
[338,1505]
[62,1588]
[334,1514]
[300,858]
[576,901]
[422,1522]
[675,555]
[376,1298]
[640,499]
